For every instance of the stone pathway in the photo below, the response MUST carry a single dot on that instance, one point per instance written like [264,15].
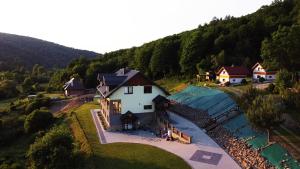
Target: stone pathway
[203,153]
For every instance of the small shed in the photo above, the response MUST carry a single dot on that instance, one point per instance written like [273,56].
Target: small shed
[74,87]
[161,103]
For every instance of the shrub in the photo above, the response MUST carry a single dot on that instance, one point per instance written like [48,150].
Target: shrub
[283,80]
[49,89]
[15,165]
[270,88]
[12,128]
[1,124]
[226,83]
[261,79]
[31,106]
[8,89]
[53,150]
[244,81]
[37,103]
[38,120]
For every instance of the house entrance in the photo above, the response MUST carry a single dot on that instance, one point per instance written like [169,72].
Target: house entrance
[116,107]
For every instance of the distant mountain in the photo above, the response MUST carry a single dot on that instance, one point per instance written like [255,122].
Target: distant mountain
[25,51]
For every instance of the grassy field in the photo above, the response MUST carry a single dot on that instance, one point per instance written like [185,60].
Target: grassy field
[124,155]
[54,95]
[173,85]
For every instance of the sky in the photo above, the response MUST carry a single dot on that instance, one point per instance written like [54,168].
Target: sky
[108,25]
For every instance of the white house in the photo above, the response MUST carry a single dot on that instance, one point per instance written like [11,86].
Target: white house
[259,71]
[129,96]
[232,74]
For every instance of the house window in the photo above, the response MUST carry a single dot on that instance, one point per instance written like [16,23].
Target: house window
[147,89]
[223,72]
[258,76]
[128,90]
[223,80]
[270,76]
[147,107]
[233,80]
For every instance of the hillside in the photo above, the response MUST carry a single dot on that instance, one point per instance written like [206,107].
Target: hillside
[27,51]
[224,41]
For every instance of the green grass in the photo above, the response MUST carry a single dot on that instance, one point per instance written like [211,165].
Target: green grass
[124,155]
[172,85]
[54,95]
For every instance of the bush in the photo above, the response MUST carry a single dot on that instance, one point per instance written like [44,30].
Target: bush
[261,79]
[32,106]
[226,83]
[49,89]
[15,165]
[1,124]
[53,150]
[8,89]
[283,80]
[38,120]
[244,81]
[270,88]
[12,128]
[37,103]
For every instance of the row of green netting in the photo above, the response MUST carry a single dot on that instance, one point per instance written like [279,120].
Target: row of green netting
[279,157]
[216,102]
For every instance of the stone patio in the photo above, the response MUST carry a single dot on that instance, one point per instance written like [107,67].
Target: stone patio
[203,153]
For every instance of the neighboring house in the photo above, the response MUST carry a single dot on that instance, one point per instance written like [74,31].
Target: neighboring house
[232,74]
[74,87]
[128,99]
[259,71]
[210,75]
[207,76]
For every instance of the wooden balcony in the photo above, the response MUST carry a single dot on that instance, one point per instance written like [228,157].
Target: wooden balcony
[110,107]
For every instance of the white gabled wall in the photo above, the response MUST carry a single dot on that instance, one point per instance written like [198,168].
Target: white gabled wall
[234,80]
[135,102]
[260,69]
[223,77]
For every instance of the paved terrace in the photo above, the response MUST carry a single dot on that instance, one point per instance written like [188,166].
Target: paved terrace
[203,153]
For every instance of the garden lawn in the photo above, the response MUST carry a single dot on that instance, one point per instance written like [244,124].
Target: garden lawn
[173,85]
[124,155]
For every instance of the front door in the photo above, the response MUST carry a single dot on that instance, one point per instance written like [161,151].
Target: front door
[116,106]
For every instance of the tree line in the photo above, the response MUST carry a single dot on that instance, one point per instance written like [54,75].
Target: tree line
[270,35]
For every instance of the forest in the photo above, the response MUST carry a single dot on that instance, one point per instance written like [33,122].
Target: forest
[271,35]
[21,51]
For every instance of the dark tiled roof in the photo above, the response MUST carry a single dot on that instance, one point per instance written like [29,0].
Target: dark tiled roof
[160,99]
[235,70]
[266,69]
[116,80]
[74,84]
[100,75]
[113,80]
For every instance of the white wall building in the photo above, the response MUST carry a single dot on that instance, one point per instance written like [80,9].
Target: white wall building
[259,71]
[127,93]
[232,74]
